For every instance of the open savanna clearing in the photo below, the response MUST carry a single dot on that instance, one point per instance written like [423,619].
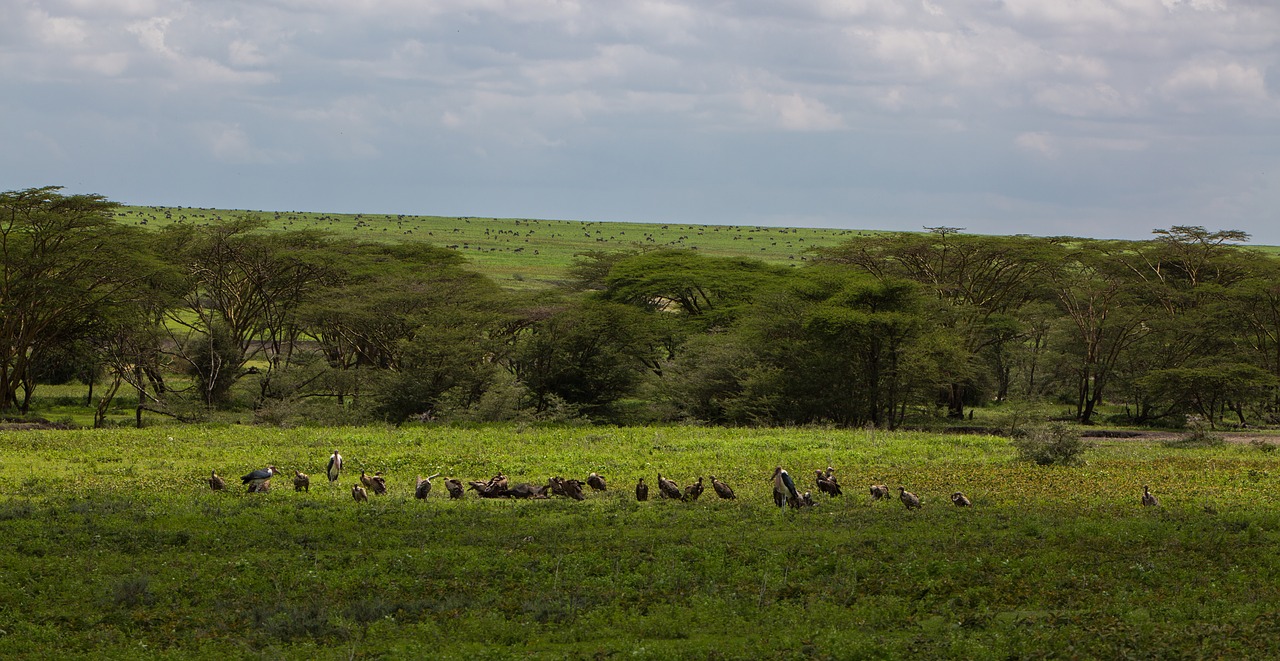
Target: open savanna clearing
[115,547]
[523,253]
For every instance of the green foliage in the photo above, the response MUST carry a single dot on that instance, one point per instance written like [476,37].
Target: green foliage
[1051,445]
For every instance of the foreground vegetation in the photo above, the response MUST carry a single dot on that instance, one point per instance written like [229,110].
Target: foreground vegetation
[115,547]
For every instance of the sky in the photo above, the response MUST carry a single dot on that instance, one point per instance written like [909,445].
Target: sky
[1093,118]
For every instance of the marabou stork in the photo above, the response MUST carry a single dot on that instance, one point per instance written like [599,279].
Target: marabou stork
[783,488]
[256,479]
[423,487]
[335,466]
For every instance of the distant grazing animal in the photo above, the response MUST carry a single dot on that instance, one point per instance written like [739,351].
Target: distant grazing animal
[879,491]
[909,499]
[335,466]
[359,494]
[301,481]
[454,486]
[694,490]
[1148,500]
[668,488]
[784,489]
[723,490]
[257,478]
[595,482]
[827,485]
[960,500]
[216,483]
[423,487]
[642,491]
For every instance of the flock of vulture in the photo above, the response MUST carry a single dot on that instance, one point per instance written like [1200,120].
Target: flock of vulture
[785,492]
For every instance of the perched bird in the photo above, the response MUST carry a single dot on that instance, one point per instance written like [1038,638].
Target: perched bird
[783,488]
[642,490]
[694,490]
[301,481]
[216,483]
[827,485]
[256,479]
[669,489]
[1148,500]
[595,482]
[879,491]
[723,490]
[359,493]
[454,486]
[909,499]
[423,487]
[960,500]
[335,466]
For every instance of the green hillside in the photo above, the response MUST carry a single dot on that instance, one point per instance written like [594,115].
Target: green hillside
[524,253]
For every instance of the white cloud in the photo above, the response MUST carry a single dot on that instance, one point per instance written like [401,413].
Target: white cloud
[1037,142]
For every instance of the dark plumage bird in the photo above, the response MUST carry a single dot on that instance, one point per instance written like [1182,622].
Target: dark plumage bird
[879,492]
[909,499]
[669,489]
[335,466]
[423,487]
[723,490]
[375,483]
[960,500]
[497,483]
[827,485]
[359,494]
[216,483]
[806,500]
[642,491]
[1148,500]
[694,490]
[301,481]
[784,489]
[257,478]
[526,490]
[595,482]
[454,486]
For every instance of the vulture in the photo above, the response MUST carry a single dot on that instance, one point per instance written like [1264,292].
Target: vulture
[526,490]
[216,483]
[497,483]
[376,483]
[335,466]
[827,484]
[301,481]
[454,486]
[784,489]
[694,490]
[642,491]
[909,499]
[595,482]
[572,489]
[423,487]
[257,479]
[1148,500]
[879,491]
[960,500]
[359,493]
[806,499]
[668,488]
[723,490]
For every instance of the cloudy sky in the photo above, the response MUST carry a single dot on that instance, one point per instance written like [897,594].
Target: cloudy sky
[1103,118]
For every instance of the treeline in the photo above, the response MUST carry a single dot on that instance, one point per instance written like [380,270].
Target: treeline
[885,330]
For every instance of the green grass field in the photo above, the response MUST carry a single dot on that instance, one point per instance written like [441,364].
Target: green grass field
[116,548]
[524,253]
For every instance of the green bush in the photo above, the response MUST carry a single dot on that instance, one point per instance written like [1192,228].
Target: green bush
[1054,444]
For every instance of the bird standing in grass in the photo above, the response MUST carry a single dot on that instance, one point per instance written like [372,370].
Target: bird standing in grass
[359,494]
[423,487]
[375,483]
[301,481]
[596,482]
[335,466]
[668,488]
[1148,500]
[960,500]
[454,485]
[723,490]
[879,492]
[909,499]
[694,490]
[827,484]
[642,491]
[216,483]
[258,478]
[784,489]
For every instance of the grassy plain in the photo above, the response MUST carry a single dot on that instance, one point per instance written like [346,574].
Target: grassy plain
[523,253]
[115,548]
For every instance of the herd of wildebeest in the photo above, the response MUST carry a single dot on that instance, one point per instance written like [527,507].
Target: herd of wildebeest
[785,492]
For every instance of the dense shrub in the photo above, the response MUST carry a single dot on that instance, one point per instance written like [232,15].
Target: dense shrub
[1055,444]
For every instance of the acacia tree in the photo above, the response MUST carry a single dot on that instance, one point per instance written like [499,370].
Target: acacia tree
[64,262]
